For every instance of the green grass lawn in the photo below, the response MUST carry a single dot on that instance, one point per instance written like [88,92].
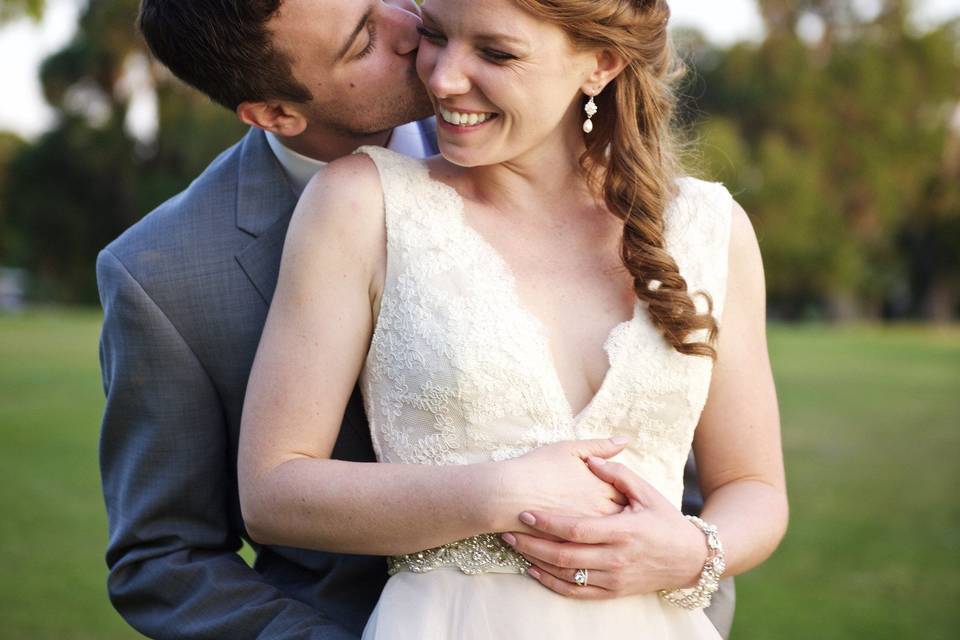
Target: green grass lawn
[871,421]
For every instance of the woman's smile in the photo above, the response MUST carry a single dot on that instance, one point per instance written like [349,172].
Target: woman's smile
[463,120]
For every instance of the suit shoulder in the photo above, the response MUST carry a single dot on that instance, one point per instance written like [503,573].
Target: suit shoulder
[212,193]
[192,233]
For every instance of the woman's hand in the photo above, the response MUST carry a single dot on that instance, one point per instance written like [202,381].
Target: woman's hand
[647,547]
[555,478]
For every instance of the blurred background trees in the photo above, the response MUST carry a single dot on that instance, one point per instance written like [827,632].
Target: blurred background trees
[839,133]
[89,178]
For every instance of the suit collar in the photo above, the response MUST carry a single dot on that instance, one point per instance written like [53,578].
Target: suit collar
[265,202]
[264,194]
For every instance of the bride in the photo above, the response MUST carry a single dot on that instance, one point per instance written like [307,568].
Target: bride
[550,276]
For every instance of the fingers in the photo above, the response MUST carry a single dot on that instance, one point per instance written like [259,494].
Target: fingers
[567,555]
[595,577]
[568,589]
[601,448]
[617,503]
[635,488]
[599,530]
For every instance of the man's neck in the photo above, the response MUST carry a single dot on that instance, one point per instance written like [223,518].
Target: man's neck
[327,147]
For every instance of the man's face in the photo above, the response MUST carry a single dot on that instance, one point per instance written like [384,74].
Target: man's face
[357,58]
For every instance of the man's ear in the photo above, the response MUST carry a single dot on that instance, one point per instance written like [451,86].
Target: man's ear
[607,65]
[276,117]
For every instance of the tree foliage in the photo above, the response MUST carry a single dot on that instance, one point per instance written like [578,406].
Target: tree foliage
[10,9]
[839,148]
[84,182]
[833,132]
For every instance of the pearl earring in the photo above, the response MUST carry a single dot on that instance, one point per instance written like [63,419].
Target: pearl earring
[591,110]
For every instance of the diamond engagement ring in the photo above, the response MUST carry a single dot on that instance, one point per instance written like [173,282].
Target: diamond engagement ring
[580,577]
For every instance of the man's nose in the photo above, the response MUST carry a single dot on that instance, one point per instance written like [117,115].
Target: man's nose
[409,6]
[403,18]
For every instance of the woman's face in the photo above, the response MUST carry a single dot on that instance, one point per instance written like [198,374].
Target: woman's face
[504,83]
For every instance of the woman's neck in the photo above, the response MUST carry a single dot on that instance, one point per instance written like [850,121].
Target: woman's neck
[541,183]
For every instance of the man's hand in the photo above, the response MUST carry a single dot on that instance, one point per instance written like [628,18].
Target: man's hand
[647,547]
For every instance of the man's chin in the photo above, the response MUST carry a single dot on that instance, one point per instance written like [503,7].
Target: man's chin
[422,106]
[418,111]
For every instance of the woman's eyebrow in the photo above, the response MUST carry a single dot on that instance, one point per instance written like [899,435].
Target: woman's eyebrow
[483,37]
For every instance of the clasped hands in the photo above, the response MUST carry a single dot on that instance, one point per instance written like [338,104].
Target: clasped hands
[595,514]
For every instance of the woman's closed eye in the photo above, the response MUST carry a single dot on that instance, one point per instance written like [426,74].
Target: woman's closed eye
[436,37]
[499,56]
[430,34]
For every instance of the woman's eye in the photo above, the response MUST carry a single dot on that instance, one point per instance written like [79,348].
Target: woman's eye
[429,34]
[499,56]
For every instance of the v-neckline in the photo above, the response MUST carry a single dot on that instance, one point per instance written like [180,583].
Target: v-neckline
[539,326]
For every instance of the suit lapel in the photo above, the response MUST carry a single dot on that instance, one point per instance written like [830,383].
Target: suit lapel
[263,192]
[265,202]
[260,260]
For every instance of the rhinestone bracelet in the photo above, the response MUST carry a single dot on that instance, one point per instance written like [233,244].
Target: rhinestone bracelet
[699,596]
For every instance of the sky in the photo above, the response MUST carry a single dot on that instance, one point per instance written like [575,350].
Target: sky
[23,44]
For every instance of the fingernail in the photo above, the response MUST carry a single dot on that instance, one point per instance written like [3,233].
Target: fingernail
[534,572]
[595,460]
[619,440]
[510,539]
[527,518]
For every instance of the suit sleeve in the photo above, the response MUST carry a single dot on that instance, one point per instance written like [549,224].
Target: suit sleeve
[173,567]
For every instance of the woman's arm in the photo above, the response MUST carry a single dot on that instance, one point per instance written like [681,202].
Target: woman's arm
[737,443]
[313,346]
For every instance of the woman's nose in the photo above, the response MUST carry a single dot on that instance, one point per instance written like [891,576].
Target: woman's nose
[448,76]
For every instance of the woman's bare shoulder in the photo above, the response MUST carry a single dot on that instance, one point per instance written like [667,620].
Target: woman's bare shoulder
[341,214]
[342,189]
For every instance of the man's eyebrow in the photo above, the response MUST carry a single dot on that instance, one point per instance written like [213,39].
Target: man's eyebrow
[356,32]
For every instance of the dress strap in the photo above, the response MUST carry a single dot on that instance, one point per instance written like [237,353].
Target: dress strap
[697,233]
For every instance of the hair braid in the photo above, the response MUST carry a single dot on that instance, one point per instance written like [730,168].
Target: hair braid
[630,158]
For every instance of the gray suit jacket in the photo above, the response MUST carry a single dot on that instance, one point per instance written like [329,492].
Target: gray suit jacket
[185,293]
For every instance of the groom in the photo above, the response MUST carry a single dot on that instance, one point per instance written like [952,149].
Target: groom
[186,291]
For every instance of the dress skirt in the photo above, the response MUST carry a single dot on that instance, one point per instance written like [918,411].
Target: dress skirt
[446,604]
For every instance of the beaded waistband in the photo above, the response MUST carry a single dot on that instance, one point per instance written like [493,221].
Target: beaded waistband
[485,553]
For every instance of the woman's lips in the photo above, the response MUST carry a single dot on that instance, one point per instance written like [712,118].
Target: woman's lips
[464,119]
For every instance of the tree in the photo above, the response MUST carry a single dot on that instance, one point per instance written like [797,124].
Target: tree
[842,148]
[81,184]
[10,147]
[10,9]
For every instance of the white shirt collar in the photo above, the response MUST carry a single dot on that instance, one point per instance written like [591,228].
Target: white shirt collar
[406,139]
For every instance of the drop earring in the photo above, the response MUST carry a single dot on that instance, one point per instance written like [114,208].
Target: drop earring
[591,110]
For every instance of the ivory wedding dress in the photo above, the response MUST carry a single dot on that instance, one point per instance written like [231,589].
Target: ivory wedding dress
[460,372]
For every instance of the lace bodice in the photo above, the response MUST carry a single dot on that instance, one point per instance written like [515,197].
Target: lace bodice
[459,372]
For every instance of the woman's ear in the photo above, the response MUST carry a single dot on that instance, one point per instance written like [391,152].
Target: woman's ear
[276,117]
[607,65]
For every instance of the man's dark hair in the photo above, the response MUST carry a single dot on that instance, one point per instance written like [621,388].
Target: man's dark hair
[221,47]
